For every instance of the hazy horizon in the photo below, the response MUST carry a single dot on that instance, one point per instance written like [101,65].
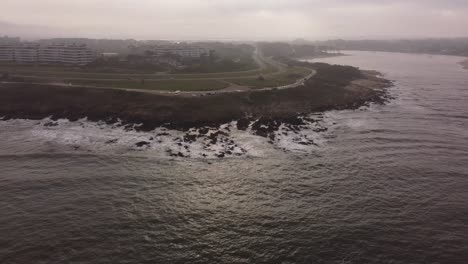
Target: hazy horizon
[235,20]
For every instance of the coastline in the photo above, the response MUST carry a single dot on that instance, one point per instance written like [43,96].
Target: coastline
[329,89]
[464,64]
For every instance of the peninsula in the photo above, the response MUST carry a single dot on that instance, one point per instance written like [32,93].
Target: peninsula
[279,88]
[332,87]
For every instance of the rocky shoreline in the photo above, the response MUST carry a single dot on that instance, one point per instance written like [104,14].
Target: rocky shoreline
[230,140]
[333,87]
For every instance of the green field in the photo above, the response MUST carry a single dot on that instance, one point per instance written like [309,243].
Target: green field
[273,74]
[67,72]
[45,72]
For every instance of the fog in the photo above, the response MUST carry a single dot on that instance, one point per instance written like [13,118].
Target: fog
[234,19]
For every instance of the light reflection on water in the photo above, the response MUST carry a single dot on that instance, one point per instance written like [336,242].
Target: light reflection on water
[388,184]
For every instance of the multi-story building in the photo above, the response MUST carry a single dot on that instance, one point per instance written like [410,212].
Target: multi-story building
[34,53]
[67,54]
[7,53]
[50,54]
[26,53]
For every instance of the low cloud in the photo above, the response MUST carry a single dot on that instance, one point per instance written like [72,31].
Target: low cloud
[237,19]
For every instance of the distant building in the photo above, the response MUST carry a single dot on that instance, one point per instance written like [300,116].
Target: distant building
[66,54]
[185,51]
[7,53]
[26,53]
[34,53]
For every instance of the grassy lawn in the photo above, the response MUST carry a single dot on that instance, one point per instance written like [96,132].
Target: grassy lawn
[165,82]
[67,72]
[89,75]
[171,85]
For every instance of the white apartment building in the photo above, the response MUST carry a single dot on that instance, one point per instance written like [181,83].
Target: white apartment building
[33,53]
[26,53]
[66,54]
[181,50]
[7,53]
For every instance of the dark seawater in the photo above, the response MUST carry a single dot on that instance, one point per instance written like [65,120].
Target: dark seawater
[384,184]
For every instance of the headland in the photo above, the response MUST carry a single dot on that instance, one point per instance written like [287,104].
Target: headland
[331,87]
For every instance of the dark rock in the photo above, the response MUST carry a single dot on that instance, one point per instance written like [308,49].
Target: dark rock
[111,120]
[214,137]
[309,119]
[243,124]
[190,138]
[128,127]
[51,124]
[265,127]
[272,136]
[142,144]
[321,129]
[203,130]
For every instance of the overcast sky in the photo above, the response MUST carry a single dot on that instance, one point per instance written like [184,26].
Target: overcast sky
[235,19]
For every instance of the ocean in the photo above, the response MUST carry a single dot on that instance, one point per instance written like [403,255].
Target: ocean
[381,184]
